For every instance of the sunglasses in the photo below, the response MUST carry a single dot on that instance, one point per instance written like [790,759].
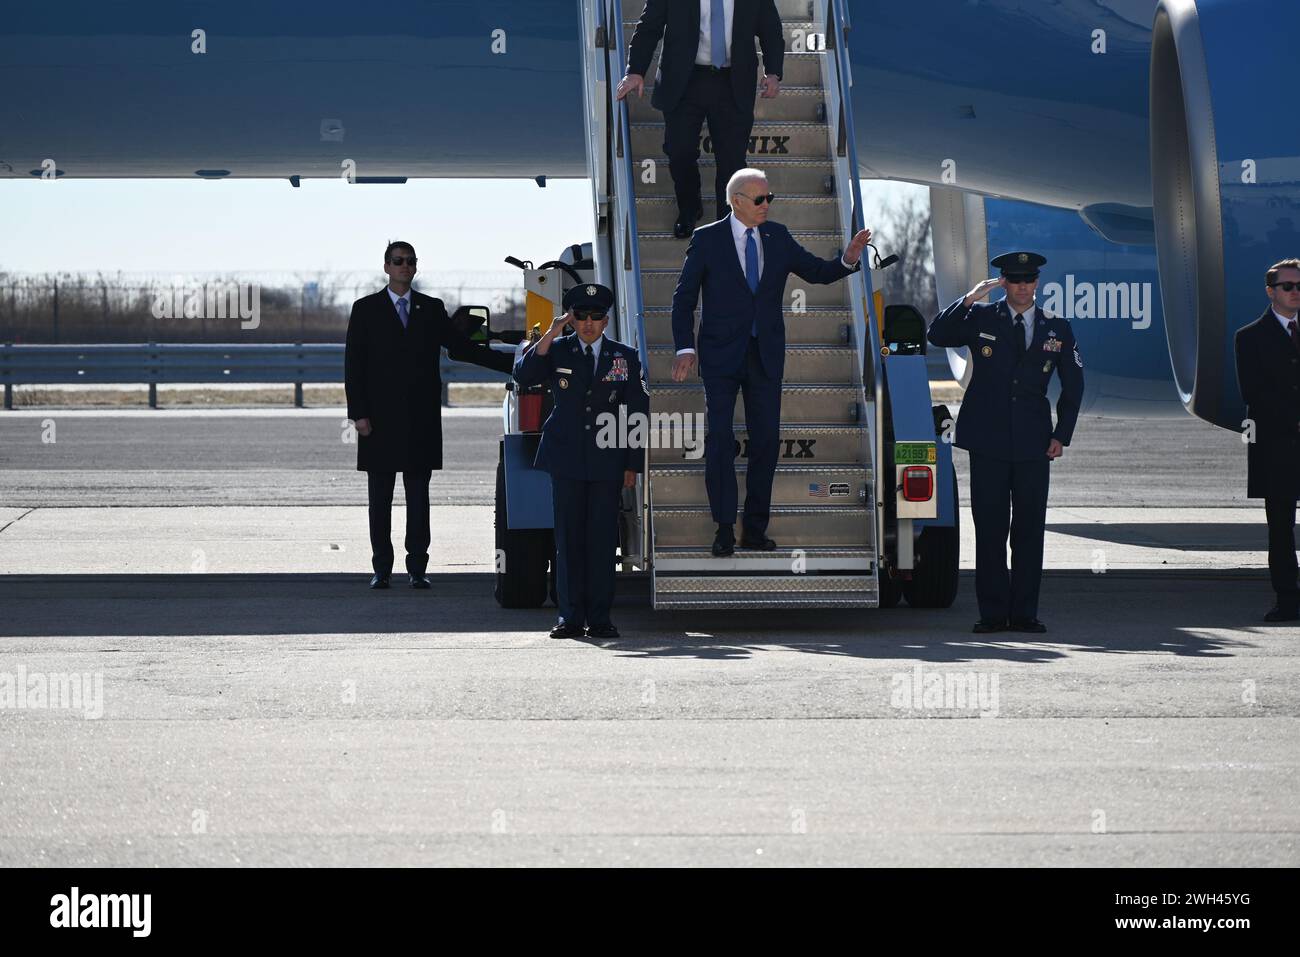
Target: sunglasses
[402,261]
[590,316]
[758,200]
[1020,280]
[1286,286]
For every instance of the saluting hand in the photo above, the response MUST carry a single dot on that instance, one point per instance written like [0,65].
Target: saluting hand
[557,326]
[853,252]
[980,291]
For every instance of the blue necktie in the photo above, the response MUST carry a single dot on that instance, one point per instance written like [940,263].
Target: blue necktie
[751,270]
[718,33]
[401,311]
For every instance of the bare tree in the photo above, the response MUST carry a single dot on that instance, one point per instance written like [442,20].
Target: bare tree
[905,230]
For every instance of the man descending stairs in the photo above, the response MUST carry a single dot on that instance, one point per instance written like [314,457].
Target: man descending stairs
[822,504]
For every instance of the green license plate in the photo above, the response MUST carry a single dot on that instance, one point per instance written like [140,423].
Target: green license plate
[915,453]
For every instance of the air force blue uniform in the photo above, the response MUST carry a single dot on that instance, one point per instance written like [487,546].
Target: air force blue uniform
[586,474]
[1005,424]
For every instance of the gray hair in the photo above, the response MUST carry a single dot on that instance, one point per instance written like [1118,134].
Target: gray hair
[742,176]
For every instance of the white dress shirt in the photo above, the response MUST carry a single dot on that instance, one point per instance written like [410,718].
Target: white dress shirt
[704,52]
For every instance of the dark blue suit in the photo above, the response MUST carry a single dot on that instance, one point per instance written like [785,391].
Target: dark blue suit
[732,358]
[1006,424]
[586,456]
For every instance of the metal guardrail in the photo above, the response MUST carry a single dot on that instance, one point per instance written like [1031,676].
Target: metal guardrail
[194,364]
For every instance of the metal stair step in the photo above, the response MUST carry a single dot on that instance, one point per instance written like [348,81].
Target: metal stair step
[685,585]
[824,326]
[766,139]
[818,404]
[785,177]
[802,444]
[663,250]
[679,560]
[811,364]
[658,284]
[792,526]
[792,485]
[818,213]
[794,103]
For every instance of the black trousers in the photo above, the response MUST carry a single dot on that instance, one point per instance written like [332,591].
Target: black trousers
[380,490]
[708,96]
[586,542]
[763,426]
[1008,497]
[1280,512]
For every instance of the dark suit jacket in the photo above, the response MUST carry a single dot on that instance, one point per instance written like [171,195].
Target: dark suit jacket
[571,444]
[391,377]
[729,310]
[1005,413]
[678,23]
[1268,373]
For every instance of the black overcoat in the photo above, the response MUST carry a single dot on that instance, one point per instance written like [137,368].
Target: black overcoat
[391,377]
[1268,373]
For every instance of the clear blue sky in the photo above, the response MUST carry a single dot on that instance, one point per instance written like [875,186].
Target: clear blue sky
[185,226]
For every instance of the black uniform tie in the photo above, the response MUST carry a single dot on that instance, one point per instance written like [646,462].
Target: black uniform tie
[1295,340]
[1020,337]
[591,363]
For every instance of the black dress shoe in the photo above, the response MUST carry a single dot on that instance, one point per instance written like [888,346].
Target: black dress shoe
[565,630]
[602,631]
[1030,626]
[985,627]
[724,543]
[419,581]
[685,224]
[379,581]
[758,542]
[1283,613]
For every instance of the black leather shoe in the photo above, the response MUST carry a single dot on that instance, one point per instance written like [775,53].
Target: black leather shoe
[1283,613]
[379,581]
[685,224]
[724,543]
[1031,626]
[563,630]
[602,631]
[419,581]
[758,542]
[985,627]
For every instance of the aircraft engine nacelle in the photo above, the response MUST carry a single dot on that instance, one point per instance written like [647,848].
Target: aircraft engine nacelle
[1225,171]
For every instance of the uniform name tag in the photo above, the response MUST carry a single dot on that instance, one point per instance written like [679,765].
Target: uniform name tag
[566,371]
[988,335]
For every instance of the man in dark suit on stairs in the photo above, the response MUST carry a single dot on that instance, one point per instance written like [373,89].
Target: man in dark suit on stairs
[741,264]
[394,391]
[708,69]
[1268,372]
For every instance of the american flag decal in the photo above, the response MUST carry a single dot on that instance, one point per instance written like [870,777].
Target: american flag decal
[818,489]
